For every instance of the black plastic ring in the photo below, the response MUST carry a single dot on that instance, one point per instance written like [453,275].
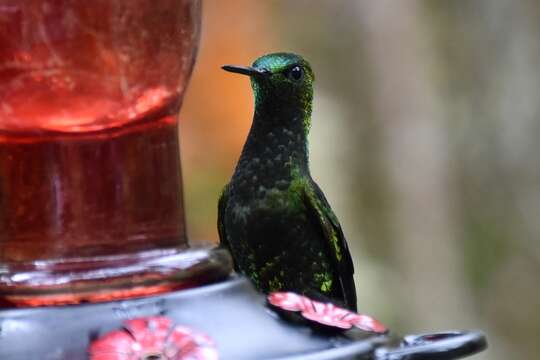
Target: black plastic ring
[435,346]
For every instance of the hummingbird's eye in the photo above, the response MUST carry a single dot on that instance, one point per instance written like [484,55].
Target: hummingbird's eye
[296,73]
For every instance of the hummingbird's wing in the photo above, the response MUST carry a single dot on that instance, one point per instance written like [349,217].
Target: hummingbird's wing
[222,205]
[322,212]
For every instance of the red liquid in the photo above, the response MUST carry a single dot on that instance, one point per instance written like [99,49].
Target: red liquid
[89,156]
[104,194]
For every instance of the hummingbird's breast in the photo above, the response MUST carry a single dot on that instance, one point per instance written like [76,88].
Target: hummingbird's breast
[276,242]
[269,162]
[268,226]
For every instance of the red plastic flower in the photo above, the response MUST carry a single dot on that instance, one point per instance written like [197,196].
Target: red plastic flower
[153,338]
[326,314]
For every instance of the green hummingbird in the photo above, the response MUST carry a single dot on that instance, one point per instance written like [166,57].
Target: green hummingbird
[272,216]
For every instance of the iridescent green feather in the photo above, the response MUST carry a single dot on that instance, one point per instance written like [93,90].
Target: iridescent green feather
[318,205]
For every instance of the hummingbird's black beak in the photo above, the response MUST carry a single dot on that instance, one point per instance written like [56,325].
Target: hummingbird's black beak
[244,70]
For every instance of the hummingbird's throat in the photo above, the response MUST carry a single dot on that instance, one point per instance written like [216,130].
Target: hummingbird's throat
[295,117]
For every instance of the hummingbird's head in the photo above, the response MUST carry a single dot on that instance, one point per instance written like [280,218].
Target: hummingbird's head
[280,81]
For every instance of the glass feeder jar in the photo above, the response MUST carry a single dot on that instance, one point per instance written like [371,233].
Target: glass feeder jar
[91,201]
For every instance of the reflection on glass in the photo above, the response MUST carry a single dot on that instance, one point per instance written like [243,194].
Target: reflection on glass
[89,157]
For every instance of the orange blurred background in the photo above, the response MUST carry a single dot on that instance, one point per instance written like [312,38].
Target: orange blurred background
[217,110]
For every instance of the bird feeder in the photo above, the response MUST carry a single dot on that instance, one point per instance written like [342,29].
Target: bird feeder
[94,259]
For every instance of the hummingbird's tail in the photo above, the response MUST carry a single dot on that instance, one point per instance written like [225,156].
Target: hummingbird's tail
[349,293]
[345,299]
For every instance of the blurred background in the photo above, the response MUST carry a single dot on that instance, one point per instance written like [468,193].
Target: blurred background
[425,140]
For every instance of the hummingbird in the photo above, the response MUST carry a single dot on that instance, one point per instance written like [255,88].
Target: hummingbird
[272,216]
